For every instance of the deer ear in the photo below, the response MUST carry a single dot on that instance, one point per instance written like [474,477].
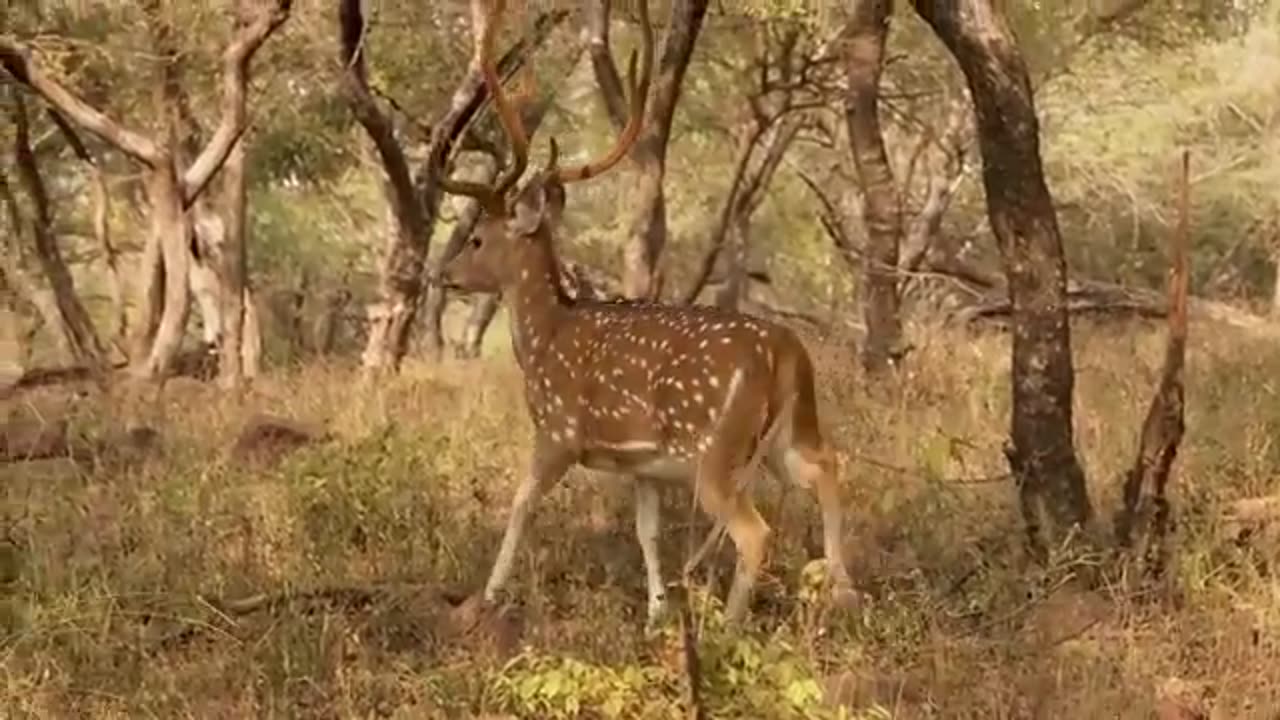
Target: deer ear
[541,202]
[553,191]
[530,210]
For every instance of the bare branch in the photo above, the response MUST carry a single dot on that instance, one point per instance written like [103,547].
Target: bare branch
[19,62]
[235,80]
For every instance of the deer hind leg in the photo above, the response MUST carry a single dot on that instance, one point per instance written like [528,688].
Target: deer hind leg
[815,469]
[721,499]
[648,525]
[546,469]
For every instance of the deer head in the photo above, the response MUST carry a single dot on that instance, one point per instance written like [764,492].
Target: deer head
[515,223]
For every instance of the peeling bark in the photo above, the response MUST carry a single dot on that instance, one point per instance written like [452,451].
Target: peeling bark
[1042,449]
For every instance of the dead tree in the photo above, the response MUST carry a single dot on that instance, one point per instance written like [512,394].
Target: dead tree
[1020,209]
[172,187]
[1162,430]
[414,197]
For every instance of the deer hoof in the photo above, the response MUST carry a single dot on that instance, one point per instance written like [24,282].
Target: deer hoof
[843,596]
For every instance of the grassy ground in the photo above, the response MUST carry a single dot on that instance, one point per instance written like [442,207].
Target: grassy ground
[116,574]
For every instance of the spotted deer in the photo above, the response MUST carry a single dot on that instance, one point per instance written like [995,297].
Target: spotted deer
[658,392]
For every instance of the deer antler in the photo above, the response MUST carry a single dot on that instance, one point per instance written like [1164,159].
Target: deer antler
[491,196]
[639,94]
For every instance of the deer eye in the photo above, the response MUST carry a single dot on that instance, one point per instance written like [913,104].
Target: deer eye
[475,241]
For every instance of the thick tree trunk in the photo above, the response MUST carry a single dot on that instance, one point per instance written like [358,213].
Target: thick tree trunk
[648,232]
[1042,453]
[865,37]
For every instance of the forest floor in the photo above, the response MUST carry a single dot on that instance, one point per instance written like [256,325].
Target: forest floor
[192,581]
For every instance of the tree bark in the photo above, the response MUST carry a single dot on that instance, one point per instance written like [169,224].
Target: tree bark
[865,37]
[648,233]
[391,315]
[233,271]
[1275,291]
[74,324]
[1042,450]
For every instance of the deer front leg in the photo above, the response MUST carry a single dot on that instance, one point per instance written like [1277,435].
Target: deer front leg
[648,525]
[549,464]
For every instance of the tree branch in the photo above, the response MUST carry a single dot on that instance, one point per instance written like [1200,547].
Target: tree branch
[18,60]
[606,72]
[235,80]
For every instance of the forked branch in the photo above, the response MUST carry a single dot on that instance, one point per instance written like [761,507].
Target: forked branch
[235,80]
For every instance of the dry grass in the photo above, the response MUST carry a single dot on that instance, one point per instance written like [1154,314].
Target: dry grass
[104,570]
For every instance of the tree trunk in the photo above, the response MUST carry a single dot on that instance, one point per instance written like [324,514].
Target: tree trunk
[171,235]
[882,208]
[483,311]
[74,325]
[1042,452]
[101,229]
[233,271]
[171,191]
[648,232]
[414,201]
[437,296]
[1275,291]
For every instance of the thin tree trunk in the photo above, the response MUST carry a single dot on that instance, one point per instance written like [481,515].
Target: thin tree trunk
[233,271]
[483,311]
[437,295]
[101,229]
[1020,209]
[1275,292]
[648,234]
[882,207]
[415,201]
[74,323]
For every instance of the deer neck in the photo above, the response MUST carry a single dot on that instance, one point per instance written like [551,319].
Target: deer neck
[537,302]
